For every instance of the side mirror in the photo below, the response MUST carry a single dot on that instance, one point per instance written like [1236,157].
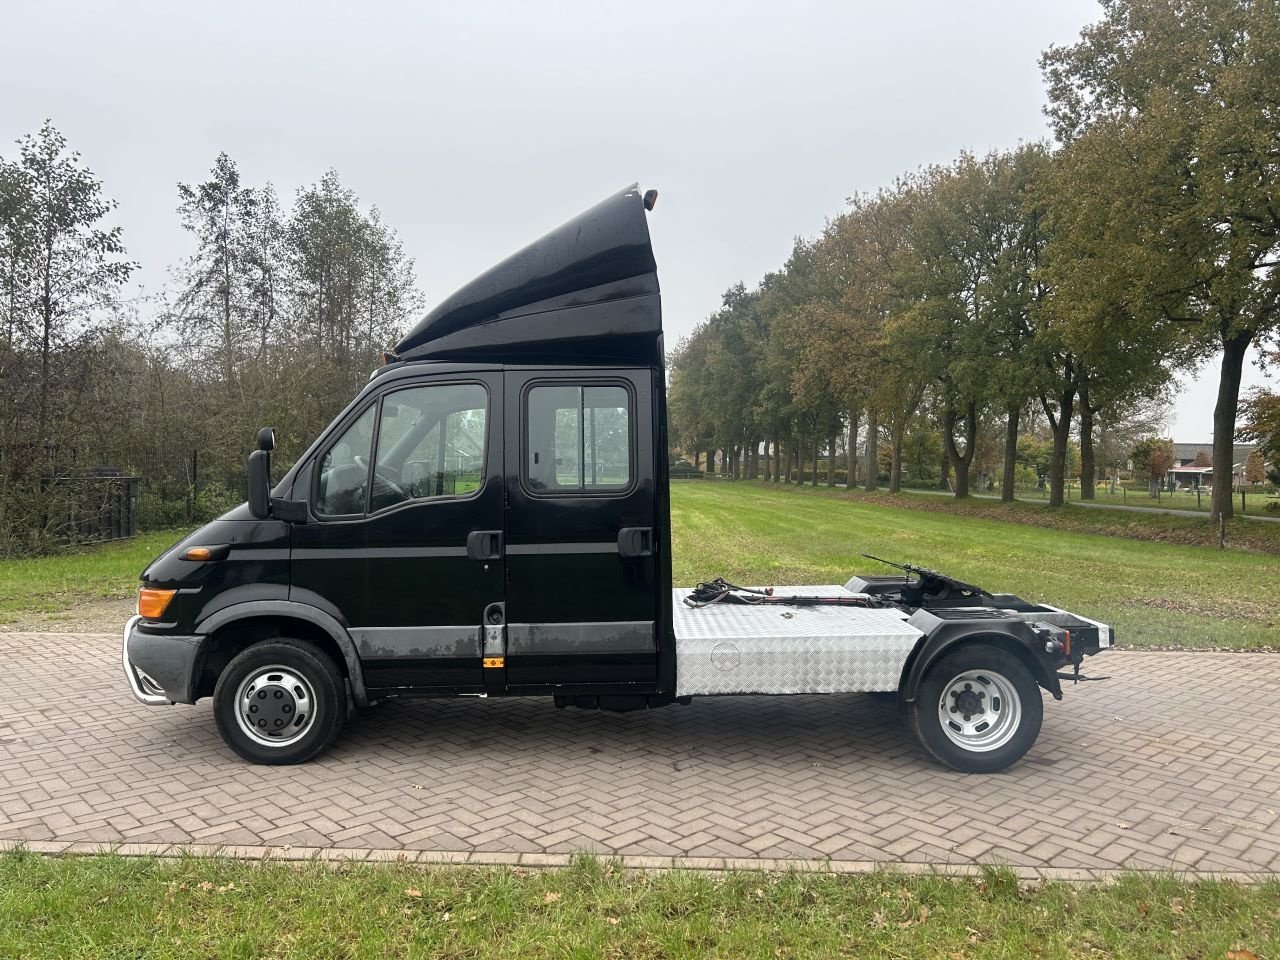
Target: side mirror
[266,439]
[260,482]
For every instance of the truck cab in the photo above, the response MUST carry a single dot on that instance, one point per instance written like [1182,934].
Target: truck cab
[490,517]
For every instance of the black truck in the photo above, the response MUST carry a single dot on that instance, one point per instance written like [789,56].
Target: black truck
[490,517]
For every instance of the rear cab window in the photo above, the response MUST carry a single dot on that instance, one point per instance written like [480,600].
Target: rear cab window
[578,439]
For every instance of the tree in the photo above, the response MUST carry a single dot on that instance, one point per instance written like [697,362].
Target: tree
[1255,468]
[1154,457]
[63,265]
[975,239]
[350,286]
[867,351]
[1121,426]
[1173,105]
[213,308]
[61,270]
[1261,423]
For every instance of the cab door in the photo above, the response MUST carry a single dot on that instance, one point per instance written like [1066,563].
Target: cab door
[580,531]
[405,544]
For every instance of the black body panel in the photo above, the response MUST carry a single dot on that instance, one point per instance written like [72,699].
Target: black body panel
[588,289]
[581,597]
[256,568]
[401,578]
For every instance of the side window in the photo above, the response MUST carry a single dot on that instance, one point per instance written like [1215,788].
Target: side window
[578,438]
[344,471]
[431,443]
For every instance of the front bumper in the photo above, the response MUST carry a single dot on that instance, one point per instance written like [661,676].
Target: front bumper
[160,669]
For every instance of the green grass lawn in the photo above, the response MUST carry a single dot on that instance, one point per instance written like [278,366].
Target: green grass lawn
[1255,501]
[60,581]
[108,907]
[1154,593]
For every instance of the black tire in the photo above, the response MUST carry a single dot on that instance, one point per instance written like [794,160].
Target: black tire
[319,698]
[987,664]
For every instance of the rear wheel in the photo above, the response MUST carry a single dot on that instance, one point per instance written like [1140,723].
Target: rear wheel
[279,702]
[978,709]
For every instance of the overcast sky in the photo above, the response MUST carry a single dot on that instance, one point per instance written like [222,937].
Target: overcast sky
[476,126]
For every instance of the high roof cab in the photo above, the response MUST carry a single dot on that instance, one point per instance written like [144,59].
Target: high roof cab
[587,291]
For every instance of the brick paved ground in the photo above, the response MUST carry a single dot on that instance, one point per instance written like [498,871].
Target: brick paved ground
[1174,763]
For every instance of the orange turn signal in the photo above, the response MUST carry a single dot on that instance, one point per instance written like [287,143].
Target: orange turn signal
[152,602]
[198,553]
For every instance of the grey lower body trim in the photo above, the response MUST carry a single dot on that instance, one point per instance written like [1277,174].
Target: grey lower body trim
[613,637]
[160,668]
[558,549]
[444,642]
[369,553]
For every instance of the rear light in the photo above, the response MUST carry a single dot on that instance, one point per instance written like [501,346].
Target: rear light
[152,603]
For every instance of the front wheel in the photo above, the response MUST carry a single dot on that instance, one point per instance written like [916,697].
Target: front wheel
[978,710]
[279,702]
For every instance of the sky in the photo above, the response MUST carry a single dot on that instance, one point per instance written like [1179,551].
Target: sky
[476,127]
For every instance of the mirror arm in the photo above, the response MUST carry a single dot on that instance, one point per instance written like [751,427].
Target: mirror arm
[290,511]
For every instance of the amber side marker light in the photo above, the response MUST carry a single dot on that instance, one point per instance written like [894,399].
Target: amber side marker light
[198,553]
[152,602]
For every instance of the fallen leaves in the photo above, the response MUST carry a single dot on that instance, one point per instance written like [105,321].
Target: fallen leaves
[921,916]
[208,886]
[550,897]
[1241,954]
[878,919]
[413,892]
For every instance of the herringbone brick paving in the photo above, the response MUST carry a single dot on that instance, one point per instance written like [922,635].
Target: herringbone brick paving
[1174,763]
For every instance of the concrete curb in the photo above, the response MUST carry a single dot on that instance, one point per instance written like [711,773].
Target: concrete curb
[555,861]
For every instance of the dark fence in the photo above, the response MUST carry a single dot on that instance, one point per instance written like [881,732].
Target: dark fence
[89,509]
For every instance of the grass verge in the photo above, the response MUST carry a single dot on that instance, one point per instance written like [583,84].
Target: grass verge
[110,906]
[60,581]
[1156,593]
[1152,526]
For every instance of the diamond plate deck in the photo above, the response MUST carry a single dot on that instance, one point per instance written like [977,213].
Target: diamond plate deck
[735,648]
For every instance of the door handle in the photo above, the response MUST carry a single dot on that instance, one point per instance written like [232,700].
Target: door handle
[635,542]
[484,545]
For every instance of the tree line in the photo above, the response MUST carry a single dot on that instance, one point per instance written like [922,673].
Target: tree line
[277,316]
[1061,285]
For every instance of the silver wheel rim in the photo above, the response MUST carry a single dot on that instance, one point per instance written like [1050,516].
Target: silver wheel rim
[275,706]
[980,710]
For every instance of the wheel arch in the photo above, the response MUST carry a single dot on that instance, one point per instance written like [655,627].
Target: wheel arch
[949,637]
[231,629]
